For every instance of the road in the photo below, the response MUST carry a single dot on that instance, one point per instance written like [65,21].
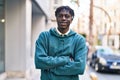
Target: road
[104,75]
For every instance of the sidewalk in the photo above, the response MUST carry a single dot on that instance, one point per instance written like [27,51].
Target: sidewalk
[86,76]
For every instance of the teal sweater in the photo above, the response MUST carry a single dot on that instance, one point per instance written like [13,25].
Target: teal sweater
[60,57]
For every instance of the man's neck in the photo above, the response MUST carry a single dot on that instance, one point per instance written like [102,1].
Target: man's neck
[63,31]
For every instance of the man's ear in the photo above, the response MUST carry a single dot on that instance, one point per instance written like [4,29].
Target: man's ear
[72,17]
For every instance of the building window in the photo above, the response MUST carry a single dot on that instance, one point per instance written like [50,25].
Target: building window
[2,37]
[55,1]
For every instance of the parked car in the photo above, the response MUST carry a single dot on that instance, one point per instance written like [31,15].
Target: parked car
[104,59]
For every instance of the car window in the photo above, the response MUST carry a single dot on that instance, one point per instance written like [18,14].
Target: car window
[105,51]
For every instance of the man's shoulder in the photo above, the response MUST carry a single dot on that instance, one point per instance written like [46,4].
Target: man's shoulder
[80,39]
[44,33]
[79,36]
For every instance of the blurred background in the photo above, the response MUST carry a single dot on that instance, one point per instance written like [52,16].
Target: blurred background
[21,21]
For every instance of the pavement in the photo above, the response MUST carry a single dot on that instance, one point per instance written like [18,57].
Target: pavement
[85,76]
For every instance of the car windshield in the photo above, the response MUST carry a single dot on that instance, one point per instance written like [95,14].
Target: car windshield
[105,51]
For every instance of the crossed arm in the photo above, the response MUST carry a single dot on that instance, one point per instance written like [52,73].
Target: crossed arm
[61,65]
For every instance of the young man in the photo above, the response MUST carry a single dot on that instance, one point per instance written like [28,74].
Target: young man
[60,52]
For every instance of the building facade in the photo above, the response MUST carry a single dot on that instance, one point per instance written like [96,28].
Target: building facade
[21,21]
[108,23]
[53,5]
[106,26]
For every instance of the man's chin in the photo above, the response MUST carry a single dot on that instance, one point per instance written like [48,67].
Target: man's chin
[63,27]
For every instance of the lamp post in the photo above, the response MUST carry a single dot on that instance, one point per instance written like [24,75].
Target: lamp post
[104,12]
[91,23]
[108,18]
[91,19]
[90,37]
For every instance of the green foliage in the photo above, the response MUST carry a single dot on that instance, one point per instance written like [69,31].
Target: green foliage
[83,35]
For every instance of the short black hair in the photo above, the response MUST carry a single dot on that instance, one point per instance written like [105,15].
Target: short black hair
[59,9]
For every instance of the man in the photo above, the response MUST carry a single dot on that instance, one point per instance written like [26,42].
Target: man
[60,52]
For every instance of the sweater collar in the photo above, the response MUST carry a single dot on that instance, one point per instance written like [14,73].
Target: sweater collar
[62,33]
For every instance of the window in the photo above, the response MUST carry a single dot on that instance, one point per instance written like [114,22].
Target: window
[2,37]
[55,1]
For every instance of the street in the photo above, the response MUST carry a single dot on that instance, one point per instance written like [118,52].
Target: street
[100,76]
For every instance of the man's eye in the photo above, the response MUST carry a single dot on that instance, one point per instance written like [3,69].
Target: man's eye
[60,16]
[67,16]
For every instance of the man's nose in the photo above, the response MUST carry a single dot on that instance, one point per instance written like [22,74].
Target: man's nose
[63,17]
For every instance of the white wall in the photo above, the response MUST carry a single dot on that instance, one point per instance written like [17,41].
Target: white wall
[38,25]
[44,4]
[17,38]
[21,31]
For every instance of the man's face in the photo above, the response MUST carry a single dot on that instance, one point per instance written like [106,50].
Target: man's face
[64,19]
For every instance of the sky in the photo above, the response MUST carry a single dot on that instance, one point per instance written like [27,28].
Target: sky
[83,9]
[84,5]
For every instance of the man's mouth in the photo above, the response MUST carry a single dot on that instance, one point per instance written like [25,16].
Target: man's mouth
[63,23]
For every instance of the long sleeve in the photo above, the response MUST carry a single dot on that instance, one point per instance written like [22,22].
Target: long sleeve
[77,66]
[43,60]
